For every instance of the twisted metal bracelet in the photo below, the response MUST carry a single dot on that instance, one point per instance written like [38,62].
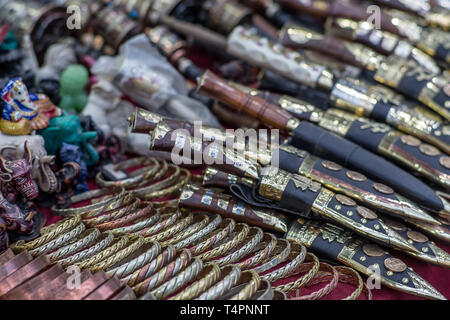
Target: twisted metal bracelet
[144,210]
[199,222]
[150,268]
[351,276]
[164,221]
[280,254]
[164,274]
[229,276]
[136,243]
[115,203]
[112,214]
[226,227]
[251,280]
[326,273]
[254,237]
[119,244]
[227,246]
[59,241]
[149,170]
[207,277]
[48,233]
[186,275]
[172,176]
[87,238]
[169,190]
[108,197]
[265,248]
[301,281]
[137,227]
[296,257]
[180,225]
[125,268]
[106,241]
[199,234]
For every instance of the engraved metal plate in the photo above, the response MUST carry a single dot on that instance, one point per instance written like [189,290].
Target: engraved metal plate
[410,140]
[356,176]
[395,265]
[346,201]
[417,236]
[330,165]
[383,188]
[429,150]
[373,250]
[366,213]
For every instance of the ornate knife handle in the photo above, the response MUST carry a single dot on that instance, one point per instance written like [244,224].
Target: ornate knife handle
[215,87]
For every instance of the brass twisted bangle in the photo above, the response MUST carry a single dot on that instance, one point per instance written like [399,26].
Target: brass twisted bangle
[166,203]
[264,292]
[172,285]
[107,197]
[136,243]
[169,190]
[164,221]
[106,241]
[326,273]
[151,166]
[87,238]
[199,222]
[348,275]
[227,246]
[112,215]
[48,233]
[164,274]
[150,268]
[301,281]
[225,229]
[144,210]
[207,277]
[229,276]
[199,234]
[137,227]
[265,250]
[177,227]
[251,280]
[135,261]
[280,254]
[254,237]
[59,241]
[119,244]
[296,257]
[171,177]
[115,203]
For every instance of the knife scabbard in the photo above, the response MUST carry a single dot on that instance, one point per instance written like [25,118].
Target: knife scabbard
[227,206]
[341,245]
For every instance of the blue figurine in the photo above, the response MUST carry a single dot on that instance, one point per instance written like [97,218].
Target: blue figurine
[73,153]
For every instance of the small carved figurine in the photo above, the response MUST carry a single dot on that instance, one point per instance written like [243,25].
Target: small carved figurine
[23,112]
[73,84]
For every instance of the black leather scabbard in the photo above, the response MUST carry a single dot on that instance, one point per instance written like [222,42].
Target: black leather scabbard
[408,151]
[343,246]
[208,200]
[416,82]
[327,145]
[299,195]
[351,183]
[428,251]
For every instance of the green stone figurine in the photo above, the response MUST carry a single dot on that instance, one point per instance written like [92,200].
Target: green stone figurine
[73,84]
[67,128]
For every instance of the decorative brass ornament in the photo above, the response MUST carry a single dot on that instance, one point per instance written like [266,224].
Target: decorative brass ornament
[346,201]
[330,165]
[383,188]
[366,213]
[356,176]
[445,162]
[395,265]
[429,150]
[410,140]
[373,250]
[417,236]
